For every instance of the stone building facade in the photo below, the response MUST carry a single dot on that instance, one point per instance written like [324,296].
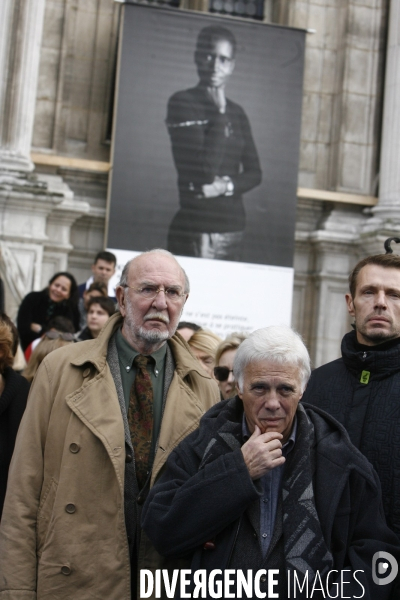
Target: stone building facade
[57,70]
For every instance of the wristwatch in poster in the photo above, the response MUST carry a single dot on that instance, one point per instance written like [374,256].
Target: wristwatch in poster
[229,186]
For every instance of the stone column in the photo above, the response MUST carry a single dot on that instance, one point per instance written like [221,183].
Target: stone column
[388,207]
[21,24]
[37,211]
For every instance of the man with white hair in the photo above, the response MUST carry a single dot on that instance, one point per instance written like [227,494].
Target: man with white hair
[272,486]
[103,416]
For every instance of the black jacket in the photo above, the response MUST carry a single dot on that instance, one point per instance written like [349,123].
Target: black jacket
[37,307]
[84,335]
[206,144]
[12,406]
[362,391]
[193,502]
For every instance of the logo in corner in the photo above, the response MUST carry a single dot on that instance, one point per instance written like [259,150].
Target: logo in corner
[381,561]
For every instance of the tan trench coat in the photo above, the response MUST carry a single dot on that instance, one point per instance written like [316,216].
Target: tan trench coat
[63,532]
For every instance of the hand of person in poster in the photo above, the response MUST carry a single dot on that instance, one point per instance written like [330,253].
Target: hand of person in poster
[219,187]
[217,95]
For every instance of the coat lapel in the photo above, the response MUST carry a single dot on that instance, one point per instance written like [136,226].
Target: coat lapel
[96,404]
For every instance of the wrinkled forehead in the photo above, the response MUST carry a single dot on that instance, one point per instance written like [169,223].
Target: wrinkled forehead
[156,268]
[270,370]
[371,273]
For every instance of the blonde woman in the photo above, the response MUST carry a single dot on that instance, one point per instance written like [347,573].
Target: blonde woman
[50,341]
[203,345]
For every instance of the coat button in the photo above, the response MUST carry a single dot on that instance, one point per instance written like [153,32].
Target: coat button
[140,500]
[74,448]
[70,508]
[209,546]
[86,372]
[65,570]
[128,457]
[263,578]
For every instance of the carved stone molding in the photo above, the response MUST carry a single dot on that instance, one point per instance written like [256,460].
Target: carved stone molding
[35,225]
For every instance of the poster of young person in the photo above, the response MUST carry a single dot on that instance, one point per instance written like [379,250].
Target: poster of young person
[205,156]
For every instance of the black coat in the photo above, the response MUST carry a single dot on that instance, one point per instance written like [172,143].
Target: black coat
[370,411]
[84,335]
[194,502]
[206,144]
[37,307]
[12,406]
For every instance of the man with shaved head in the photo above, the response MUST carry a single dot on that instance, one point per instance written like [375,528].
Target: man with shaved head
[103,417]
[214,154]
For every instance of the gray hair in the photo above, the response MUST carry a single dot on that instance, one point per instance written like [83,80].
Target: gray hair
[123,282]
[279,344]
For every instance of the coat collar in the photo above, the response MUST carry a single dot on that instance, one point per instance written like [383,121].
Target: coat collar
[184,359]
[95,351]
[381,363]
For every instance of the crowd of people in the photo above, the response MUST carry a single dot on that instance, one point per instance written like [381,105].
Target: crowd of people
[148,443]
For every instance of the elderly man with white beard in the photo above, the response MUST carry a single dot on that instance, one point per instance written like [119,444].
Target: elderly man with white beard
[103,417]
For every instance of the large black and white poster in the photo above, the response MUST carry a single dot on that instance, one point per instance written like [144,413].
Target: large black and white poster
[206,142]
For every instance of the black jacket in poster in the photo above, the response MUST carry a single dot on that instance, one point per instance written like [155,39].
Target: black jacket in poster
[205,144]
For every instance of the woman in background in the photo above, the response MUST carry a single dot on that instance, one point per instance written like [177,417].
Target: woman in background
[203,345]
[50,341]
[60,298]
[223,371]
[13,395]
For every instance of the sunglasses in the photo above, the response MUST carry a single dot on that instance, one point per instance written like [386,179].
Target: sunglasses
[54,335]
[222,373]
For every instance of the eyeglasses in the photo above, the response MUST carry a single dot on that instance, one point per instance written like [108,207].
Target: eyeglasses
[149,292]
[55,335]
[222,373]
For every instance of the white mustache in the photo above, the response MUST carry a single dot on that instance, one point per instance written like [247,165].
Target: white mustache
[158,316]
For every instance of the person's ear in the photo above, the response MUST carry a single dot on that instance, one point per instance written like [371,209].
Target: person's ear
[120,295]
[350,305]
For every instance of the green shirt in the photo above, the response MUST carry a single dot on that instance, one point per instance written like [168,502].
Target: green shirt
[126,355]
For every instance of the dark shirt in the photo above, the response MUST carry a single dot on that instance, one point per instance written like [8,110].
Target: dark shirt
[84,335]
[271,486]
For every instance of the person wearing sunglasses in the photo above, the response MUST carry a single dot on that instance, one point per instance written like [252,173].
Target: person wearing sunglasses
[224,357]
